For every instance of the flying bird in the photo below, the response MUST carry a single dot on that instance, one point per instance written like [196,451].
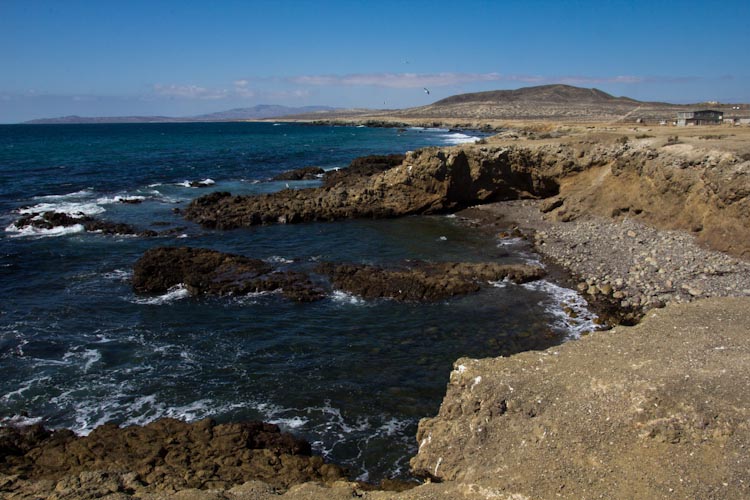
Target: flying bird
[426,91]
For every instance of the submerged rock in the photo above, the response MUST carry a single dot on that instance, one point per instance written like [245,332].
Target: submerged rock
[50,220]
[204,271]
[422,281]
[208,272]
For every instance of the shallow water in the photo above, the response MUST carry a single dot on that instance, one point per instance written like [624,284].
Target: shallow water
[78,348]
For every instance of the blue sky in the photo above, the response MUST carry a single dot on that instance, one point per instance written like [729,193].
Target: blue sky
[102,58]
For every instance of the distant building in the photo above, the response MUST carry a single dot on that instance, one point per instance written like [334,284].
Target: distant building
[704,117]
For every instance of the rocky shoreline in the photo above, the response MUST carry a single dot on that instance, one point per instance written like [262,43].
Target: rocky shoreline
[654,234]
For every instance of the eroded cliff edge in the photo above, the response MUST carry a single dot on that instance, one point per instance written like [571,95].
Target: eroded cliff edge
[658,410]
[662,181]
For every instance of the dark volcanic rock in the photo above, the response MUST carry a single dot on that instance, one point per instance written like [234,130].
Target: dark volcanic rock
[359,168]
[300,174]
[201,184]
[167,454]
[423,281]
[205,271]
[49,220]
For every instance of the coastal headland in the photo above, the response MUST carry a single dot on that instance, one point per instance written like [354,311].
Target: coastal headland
[650,223]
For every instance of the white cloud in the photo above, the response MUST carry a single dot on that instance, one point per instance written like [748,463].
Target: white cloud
[592,80]
[417,80]
[190,92]
[396,80]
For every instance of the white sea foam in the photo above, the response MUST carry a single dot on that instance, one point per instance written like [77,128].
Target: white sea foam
[561,298]
[277,259]
[74,209]
[18,393]
[459,138]
[342,297]
[108,200]
[290,423]
[253,297]
[204,182]
[119,275]
[38,232]
[86,358]
[19,421]
[83,193]
[393,427]
[503,283]
[430,129]
[175,293]
[507,242]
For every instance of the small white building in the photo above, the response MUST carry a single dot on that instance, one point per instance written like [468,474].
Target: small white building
[702,117]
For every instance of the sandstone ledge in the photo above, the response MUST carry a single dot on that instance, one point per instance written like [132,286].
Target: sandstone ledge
[658,410]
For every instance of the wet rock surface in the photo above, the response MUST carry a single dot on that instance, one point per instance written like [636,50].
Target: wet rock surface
[423,281]
[49,220]
[204,271]
[300,174]
[208,272]
[165,455]
[361,168]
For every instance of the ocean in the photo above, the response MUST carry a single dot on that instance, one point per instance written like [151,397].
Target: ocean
[79,348]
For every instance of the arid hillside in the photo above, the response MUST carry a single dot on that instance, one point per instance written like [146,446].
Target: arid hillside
[561,103]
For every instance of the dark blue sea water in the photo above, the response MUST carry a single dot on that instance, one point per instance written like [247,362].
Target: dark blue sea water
[78,348]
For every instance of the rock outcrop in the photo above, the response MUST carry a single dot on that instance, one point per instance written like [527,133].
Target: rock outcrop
[428,181]
[50,220]
[203,271]
[423,281]
[300,174]
[361,168]
[165,455]
[208,272]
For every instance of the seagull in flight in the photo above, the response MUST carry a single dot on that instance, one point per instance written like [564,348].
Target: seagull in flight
[426,90]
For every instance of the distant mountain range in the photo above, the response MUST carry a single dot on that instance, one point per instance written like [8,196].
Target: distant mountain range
[542,102]
[258,112]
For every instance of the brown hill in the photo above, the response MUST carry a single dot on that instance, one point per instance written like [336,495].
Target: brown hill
[544,102]
[561,94]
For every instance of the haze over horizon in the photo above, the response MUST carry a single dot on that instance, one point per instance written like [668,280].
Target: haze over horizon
[180,59]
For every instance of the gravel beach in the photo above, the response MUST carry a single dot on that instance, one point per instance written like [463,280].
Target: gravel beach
[624,263]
